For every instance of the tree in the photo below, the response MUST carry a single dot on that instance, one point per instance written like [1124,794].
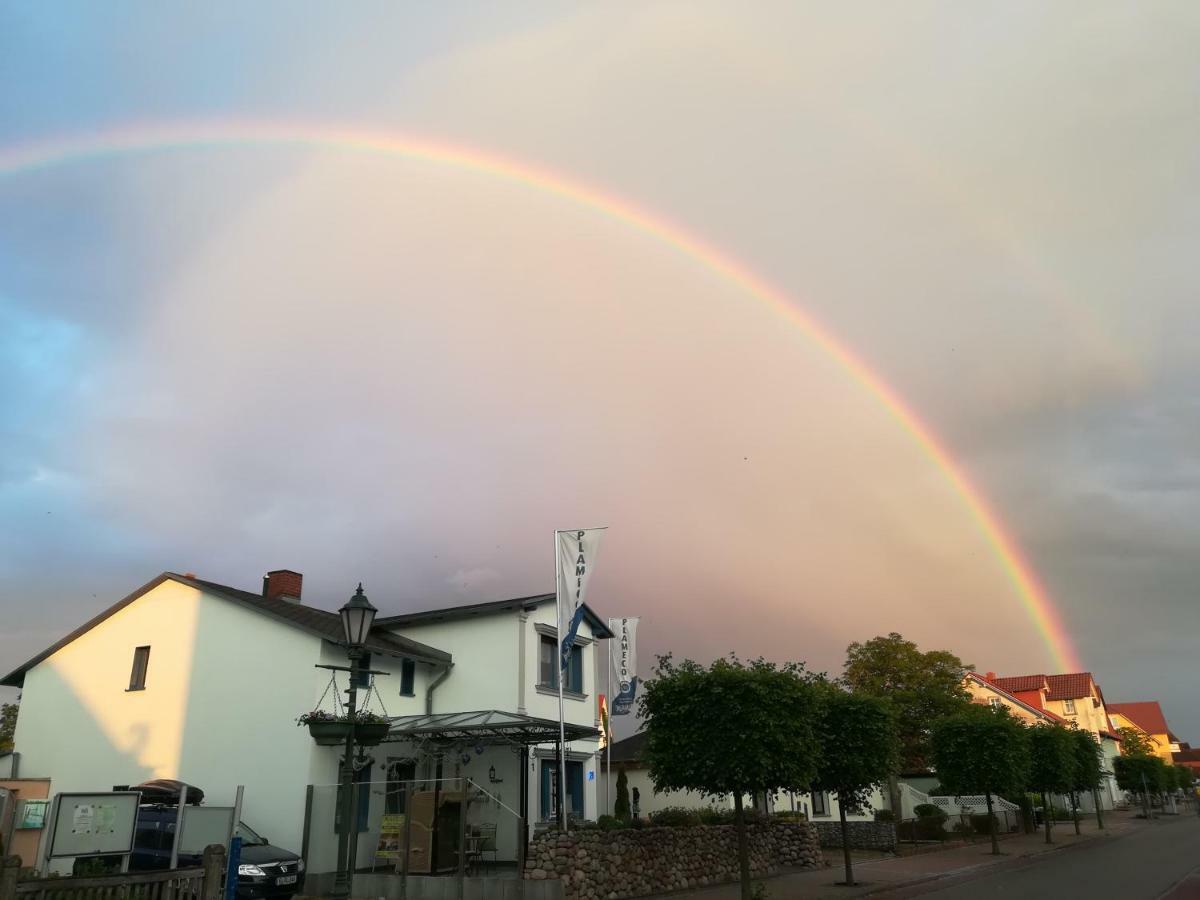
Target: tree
[621,804]
[733,728]
[859,750]
[1185,778]
[1138,775]
[1089,773]
[8,725]
[981,750]
[1051,765]
[1135,742]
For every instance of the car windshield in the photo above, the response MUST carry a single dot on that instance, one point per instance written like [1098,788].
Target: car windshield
[249,835]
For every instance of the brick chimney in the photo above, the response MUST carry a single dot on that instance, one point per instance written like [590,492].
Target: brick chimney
[283,584]
[991,676]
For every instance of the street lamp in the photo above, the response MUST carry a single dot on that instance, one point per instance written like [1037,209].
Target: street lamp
[358,615]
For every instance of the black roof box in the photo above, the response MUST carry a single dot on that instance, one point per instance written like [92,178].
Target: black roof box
[167,790]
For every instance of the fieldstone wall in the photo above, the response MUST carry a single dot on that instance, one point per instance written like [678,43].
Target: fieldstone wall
[863,835]
[636,862]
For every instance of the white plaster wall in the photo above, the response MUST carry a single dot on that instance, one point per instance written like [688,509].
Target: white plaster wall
[485,661]
[82,728]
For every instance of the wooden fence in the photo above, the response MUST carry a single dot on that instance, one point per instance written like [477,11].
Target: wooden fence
[203,883]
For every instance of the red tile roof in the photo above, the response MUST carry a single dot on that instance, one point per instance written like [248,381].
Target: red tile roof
[1070,687]
[1146,714]
[1021,683]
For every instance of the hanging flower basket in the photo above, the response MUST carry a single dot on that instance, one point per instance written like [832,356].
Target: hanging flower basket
[370,728]
[326,729]
[369,734]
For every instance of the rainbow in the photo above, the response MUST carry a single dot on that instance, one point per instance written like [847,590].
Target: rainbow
[224,134]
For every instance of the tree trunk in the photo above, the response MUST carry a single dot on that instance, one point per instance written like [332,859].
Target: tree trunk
[739,815]
[894,798]
[992,825]
[1075,810]
[1047,813]
[846,842]
[1096,800]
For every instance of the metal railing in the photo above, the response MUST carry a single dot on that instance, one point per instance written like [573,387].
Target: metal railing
[205,882]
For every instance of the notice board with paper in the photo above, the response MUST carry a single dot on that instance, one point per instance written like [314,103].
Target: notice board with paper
[93,824]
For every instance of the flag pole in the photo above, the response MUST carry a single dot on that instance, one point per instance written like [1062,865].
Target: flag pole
[608,810]
[562,728]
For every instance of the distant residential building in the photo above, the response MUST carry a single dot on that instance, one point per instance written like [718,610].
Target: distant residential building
[1147,717]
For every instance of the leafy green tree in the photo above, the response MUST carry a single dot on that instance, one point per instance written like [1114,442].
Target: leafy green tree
[1185,778]
[1140,775]
[621,804]
[1135,743]
[8,725]
[922,686]
[732,728]
[1089,773]
[981,750]
[1051,765]
[859,749]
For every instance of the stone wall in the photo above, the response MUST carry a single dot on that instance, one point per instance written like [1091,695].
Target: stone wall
[863,835]
[635,862]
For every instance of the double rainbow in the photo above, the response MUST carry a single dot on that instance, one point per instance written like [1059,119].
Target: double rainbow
[142,138]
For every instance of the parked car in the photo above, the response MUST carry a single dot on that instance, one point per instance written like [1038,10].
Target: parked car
[265,872]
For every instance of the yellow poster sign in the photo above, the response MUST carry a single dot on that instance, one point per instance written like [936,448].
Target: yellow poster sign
[391,837]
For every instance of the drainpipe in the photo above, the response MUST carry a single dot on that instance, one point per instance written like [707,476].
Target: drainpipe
[433,687]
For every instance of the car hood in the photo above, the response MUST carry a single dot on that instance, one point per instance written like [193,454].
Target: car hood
[266,853]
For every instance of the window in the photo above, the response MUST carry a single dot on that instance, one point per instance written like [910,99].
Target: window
[994,702]
[548,666]
[400,774]
[141,661]
[363,814]
[1069,707]
[364,674]
[820,800]
[408,674]
[549,789]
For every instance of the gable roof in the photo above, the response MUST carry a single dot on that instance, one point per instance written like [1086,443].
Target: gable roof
[1075,686]
[470,610]
[1146,714]
[1012,698]
[1021,683]
[318,622]
[630,749]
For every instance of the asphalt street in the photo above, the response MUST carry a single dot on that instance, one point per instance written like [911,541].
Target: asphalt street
[1160,860]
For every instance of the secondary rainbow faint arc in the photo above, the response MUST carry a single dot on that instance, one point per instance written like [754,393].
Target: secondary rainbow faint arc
[142,138]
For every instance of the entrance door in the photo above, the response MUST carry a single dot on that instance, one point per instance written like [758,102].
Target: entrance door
[549,789]
[400,775]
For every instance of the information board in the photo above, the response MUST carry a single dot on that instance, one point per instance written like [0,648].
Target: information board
[32,814]
[204,825]
[93,824]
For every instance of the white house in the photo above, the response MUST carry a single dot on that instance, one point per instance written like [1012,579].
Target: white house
[201,682]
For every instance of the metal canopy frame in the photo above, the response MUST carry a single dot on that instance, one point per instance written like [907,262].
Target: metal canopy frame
[489,726]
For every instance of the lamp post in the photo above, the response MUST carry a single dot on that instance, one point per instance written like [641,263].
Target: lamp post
[358,615]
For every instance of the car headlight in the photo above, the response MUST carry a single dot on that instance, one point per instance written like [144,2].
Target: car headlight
[251,871]
[299,865]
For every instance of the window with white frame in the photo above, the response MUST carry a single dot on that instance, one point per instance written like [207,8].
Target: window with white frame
[820,802]
[994,702]
[1069,707]
[548,661]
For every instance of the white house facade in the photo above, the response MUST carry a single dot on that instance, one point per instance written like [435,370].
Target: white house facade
[191,680]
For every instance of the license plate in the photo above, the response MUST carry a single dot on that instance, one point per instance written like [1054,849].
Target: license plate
[286,879]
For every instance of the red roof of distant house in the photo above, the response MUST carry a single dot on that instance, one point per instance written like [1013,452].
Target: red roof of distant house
[1070,687]
[1032,707]
[1187,756]
[1146,714]
[1021,683]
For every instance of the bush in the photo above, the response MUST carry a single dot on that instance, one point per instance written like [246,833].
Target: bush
[929,811]
[930,828]
[788,816]
[712,815]
[884,815]
[675,817]
[610,823]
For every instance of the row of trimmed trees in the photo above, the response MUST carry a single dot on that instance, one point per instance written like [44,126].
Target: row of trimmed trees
[756,728]
[985,750]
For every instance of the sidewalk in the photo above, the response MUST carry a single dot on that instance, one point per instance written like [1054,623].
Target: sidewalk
[879,876]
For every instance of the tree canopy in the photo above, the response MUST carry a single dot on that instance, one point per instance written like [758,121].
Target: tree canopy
[1089,772]
[859,750]
[1130,770]
[1051,758]
[8,725]
[732,728]
[981,750]
[1135,742]
[922,686]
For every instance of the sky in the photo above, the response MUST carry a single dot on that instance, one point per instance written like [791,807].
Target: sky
[233,356]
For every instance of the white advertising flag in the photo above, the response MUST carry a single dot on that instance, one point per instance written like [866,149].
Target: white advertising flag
[624,664]
[577,550]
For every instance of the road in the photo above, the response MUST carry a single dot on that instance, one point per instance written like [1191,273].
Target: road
[1161,860]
